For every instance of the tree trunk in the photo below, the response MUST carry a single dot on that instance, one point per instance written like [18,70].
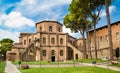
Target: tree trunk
[84,46]
[109,30]
[95,47]
[89,47]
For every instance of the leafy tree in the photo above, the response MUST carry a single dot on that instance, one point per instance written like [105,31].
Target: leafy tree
[6,44]
[77,21]
[107,3]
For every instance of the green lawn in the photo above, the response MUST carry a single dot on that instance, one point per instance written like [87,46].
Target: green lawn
[43,62]
[67,62]
[2,67]
[68,70]
[90,60]
[117,65]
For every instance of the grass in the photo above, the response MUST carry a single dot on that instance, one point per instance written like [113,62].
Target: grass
[116,65]
[90,60]
[43,62]
[2,67]
[67,62]
[68,70]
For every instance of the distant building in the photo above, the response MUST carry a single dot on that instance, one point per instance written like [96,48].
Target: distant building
[47,43]
[102,40]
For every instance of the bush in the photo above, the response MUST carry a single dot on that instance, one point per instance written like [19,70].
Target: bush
[25,66]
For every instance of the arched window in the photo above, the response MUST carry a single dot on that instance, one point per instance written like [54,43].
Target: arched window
[61,52]
[44,40]
[44,52]
[24,42]
[53,52]
[61,40]
[29,40]
[50,28]
[53,40]
[58,29]
[40,28]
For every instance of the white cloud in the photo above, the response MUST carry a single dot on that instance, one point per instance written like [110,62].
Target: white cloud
[15,20]
[67,30]
[35,7]
[111,9]
[7,34]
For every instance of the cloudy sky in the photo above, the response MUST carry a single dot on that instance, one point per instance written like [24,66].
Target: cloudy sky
[21,15]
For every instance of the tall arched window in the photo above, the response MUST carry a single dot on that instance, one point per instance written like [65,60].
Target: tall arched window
[44,40]
[53,40]
[29,40]
[50,28]
[61,52]
[44,52]
[24,42]
[40,28]
[61,40]
[53,52]
[58,29]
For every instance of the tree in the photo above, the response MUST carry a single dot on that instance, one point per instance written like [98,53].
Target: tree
[77,24]
[107,3]
[89,27]
[6,44]
[77,21]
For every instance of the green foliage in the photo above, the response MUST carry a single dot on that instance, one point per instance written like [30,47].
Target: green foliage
[6,44]
[2,67]
[68,70]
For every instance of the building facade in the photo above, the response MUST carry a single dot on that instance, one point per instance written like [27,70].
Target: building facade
[102,41]
[47,43]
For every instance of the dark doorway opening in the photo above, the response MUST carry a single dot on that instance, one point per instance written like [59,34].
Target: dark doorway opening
[53,58]
[117,53]
[76,56]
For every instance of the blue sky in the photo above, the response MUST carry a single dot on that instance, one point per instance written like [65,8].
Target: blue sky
[21,15]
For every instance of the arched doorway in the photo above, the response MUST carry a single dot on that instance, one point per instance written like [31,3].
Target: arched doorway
[76,56]
[70,54]
[53,56]
[117,53]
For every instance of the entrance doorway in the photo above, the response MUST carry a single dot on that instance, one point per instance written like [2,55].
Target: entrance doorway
[52,58]
[76,56]
[117,53]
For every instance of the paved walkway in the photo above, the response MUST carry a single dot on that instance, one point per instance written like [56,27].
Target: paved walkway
[10,68]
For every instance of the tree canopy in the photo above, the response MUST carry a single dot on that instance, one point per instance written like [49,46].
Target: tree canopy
[5,44]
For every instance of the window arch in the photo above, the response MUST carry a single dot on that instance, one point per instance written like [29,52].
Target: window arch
[61,40]
[53,40]
[24,42]
[53,52]
[29,40]
[50,28]
[44,53]
[40,28]
[58,29]
[44,40]
[61,52]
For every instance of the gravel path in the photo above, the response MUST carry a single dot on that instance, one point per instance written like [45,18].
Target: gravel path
[10,68]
